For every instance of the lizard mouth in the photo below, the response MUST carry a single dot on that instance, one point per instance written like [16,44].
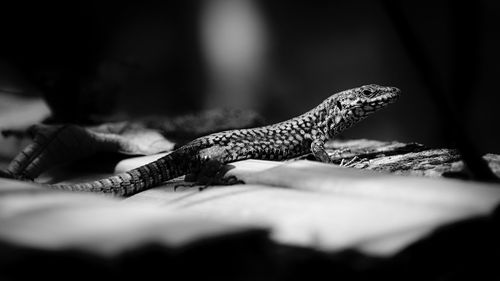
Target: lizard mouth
[386,96]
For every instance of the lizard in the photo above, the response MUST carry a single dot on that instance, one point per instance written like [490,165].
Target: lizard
[297,136]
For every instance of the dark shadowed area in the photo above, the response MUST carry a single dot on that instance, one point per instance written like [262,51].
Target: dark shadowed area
[280,58]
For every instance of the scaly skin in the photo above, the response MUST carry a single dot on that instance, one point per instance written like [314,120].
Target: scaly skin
[297,136]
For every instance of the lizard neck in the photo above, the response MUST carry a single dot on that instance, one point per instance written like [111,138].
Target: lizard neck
[331,117]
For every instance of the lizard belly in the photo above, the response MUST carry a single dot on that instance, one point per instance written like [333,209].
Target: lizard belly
[272,149]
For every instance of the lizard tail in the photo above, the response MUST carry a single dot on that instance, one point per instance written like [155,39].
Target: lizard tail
[136,180]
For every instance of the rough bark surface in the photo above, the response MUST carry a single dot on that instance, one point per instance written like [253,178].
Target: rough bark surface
[404,158]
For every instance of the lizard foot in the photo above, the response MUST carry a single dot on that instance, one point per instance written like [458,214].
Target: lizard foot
[231,180]
[211,173]
[352,162]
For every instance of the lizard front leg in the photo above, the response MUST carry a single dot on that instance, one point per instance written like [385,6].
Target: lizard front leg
[319,152]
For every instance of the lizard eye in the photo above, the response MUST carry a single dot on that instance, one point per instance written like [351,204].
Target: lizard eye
[367,92]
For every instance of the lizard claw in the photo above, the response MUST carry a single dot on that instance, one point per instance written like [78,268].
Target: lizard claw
[352,162]
[344,163]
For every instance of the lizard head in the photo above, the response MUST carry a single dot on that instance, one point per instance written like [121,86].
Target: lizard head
[367,99]
[350,106]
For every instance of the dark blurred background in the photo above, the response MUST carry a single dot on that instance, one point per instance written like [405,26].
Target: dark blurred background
[278,57]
